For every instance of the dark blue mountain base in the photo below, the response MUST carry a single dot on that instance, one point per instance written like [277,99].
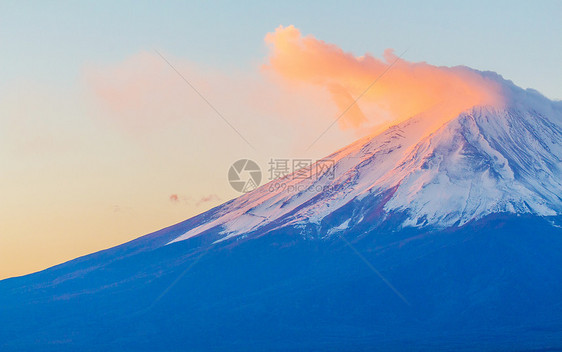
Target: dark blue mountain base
[494,284]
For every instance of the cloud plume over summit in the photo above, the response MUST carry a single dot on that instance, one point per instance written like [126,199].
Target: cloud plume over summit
[404,90]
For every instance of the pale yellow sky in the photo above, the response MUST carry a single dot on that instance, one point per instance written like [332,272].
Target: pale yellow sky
[79,175]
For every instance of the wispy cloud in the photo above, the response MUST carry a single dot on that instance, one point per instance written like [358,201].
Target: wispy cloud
[176,199]
[207,199]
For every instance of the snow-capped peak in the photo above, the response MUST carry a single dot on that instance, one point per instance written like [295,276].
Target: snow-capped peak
[486,160]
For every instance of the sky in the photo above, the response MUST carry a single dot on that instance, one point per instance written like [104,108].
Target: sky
[102,141]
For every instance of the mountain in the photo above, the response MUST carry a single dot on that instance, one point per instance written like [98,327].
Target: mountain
[426,236]
[487,160]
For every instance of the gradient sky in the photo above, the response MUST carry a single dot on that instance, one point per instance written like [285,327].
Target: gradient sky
[79,174]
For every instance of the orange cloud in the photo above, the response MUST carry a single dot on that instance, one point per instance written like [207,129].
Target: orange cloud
[405,90]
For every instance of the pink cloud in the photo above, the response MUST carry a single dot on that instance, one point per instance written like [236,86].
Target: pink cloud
[143,94]
[207,199]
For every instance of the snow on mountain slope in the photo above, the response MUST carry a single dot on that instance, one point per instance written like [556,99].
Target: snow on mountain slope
[483,162]
[504,158]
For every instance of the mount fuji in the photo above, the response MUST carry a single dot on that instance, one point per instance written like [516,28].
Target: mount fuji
[425,236]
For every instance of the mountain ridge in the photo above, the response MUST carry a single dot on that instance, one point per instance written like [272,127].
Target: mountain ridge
[430,167]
